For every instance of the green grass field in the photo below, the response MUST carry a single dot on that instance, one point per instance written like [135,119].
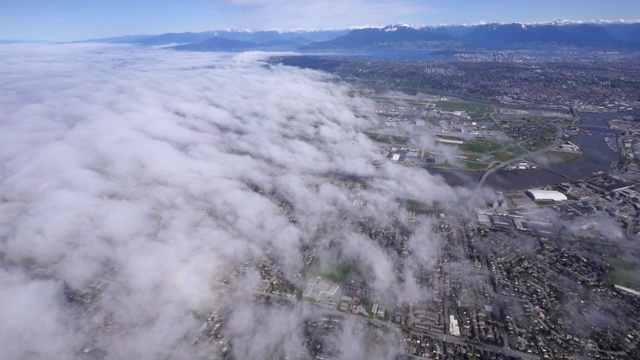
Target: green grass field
[472,165]
[339,273]
[508,154]
[435,122]
[635,85]
[480,146]
[568,122]
[494,127]
[418,104]
[474,110]
[541,144]
[554,158]
[387,139]
[624,273]
[414,205]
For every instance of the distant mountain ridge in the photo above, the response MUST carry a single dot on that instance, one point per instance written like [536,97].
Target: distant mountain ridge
[256,37]
[599,35]
[518,34]
[492,36]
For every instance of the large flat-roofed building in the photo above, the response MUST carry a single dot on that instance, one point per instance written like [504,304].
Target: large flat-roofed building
[318,289]
[454,327]
[546,195]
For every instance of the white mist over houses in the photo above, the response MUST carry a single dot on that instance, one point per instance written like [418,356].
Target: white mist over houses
[132,180]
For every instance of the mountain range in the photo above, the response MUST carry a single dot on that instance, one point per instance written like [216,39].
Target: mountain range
[599,36]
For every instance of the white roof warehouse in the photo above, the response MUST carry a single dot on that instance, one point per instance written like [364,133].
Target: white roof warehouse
[546,195]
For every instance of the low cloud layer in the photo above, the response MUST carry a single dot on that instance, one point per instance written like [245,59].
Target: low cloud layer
[133,180]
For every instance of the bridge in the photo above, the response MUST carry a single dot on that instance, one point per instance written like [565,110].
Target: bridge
[499,165]
[594,127]
[487,173]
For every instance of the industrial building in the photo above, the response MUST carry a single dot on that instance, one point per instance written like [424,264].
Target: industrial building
[454,327]
[546,195]
[318,289]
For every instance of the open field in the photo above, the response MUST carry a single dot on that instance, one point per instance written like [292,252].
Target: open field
[339,272]
[522,132]
[387,139]
[508,153]
[554,158]
[568,122]
[541,143]
[624,273]
[473,165]
[635,85]
[434,122]
[474,110]
[481,146]
[419,104]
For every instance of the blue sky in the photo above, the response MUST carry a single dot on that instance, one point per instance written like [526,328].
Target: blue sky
[65,20]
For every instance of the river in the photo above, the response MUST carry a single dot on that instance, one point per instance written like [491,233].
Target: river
[597,157]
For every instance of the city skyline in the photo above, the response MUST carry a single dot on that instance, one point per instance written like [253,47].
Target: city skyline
[75,20]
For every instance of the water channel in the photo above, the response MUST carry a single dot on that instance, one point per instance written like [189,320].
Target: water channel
[597,157]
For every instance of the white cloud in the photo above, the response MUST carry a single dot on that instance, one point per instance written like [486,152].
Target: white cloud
[126,177]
